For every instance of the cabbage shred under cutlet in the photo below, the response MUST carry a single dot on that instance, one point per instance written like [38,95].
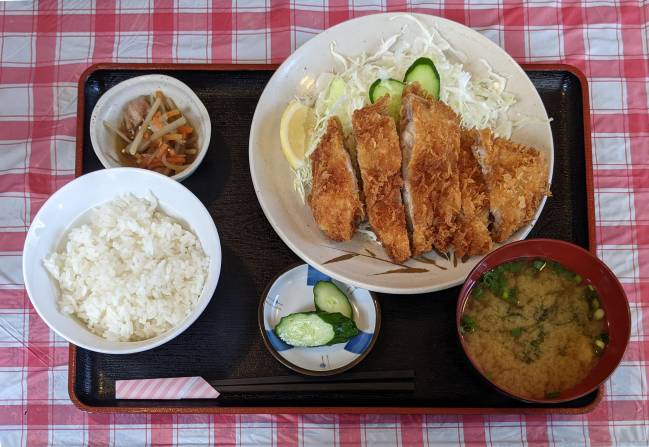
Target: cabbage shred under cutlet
[481,102]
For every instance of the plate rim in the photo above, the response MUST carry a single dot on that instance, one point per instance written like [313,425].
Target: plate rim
[293,366]
[307,258]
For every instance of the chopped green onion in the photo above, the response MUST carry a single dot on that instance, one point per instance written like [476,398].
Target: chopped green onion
[517,332]
[478,292]
[599,314]
[599,346]
[590,293]
[509,295]
[577,279]
[594,304]
[539,265]
[468,325]
[515,266]
[495,280]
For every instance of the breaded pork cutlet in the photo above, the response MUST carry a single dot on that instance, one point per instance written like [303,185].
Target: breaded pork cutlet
[472,236]
[334,197]
[379,160]
[430,141]
[516,178]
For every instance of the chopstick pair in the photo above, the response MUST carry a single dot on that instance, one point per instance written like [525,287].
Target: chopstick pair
[198,388]
[362,381]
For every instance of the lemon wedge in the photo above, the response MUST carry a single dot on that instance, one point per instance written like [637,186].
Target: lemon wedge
[295,130]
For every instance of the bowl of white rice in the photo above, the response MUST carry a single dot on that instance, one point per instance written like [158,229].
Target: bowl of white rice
[121,260]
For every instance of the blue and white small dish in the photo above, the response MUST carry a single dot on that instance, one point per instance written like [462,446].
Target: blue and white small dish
[292,291]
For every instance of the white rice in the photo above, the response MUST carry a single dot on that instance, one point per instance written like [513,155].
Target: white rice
[131,273]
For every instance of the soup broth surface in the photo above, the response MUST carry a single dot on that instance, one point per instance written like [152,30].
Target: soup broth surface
[534,328]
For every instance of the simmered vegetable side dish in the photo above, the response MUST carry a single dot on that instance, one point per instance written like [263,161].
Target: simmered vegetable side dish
[534,327]
[154,134]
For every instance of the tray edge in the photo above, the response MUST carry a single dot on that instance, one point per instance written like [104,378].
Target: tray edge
[330,410]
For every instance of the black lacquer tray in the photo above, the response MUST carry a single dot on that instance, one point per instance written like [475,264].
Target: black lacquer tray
[418,331]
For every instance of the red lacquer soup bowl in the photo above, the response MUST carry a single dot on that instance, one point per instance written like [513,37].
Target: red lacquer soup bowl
[593,271]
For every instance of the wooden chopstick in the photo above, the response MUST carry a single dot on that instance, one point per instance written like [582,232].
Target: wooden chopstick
[347,377]
[407,385]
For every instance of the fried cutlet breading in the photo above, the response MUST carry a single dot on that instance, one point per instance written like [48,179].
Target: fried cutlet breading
[334,197]
[379,159]
[472,236]
[516,178]
[430,140]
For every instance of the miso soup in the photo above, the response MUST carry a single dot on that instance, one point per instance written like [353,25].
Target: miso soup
[534,328]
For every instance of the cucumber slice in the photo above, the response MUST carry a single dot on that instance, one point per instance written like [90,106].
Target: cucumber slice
[329,298]
[337,89]
[393,89]
[423,71]
[310,329]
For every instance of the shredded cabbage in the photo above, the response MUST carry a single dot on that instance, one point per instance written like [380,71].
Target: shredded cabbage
[480,101]
[365,228]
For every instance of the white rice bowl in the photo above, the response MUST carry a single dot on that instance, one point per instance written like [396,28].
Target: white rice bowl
[131,272]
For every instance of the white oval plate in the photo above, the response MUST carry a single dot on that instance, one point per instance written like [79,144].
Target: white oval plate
[69,204]
[111,104]
[273,179]
[292,292]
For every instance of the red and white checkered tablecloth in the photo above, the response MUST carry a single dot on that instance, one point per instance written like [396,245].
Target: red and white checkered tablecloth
[44,47]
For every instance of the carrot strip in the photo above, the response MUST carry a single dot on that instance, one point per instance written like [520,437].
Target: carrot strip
[154,159]
[155,121]
[144,161]
[173,137]
[164,148]
[172,113]
[185,130]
